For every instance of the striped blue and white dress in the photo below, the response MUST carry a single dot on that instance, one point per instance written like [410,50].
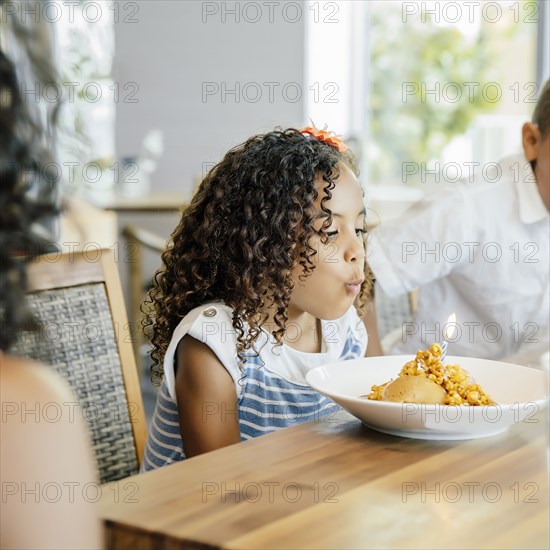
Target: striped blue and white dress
[272,391]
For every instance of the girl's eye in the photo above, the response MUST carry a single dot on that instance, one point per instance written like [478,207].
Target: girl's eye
[331,234]
[361,231]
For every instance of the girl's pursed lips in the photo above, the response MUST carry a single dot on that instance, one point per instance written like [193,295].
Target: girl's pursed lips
[355,286]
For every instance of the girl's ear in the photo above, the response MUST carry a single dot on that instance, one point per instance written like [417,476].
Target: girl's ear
[531,139]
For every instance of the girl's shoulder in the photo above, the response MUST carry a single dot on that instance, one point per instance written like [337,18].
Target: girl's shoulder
[210,315]
[211,324]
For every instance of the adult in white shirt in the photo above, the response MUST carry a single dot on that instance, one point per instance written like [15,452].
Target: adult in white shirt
[480,251]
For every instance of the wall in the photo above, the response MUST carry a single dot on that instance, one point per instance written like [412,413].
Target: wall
[173,49]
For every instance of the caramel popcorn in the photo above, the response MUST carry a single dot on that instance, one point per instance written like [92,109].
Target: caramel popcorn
[459,388]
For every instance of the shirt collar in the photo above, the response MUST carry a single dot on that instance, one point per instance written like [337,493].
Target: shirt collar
[531,206]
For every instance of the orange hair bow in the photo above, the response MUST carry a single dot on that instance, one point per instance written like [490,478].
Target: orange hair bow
[327,136]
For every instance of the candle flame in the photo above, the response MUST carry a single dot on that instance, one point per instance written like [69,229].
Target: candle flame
[450,326]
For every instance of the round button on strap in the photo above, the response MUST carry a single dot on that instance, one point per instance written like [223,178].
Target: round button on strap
[210,312]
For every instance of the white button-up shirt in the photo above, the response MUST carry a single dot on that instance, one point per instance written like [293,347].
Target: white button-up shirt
[479,250]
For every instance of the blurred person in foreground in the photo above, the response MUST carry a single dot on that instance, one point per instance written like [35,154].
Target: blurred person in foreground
[46,465]
[481,251]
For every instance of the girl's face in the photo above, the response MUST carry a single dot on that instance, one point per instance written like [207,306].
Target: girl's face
[339,263]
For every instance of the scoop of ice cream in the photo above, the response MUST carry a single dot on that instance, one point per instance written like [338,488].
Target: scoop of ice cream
[414,389]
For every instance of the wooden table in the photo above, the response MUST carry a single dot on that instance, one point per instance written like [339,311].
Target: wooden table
[341,485]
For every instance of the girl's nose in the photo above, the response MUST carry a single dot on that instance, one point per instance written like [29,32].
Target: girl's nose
[355,250]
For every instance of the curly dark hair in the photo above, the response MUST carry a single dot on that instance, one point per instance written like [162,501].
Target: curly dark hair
[248,225]
[28,199]
[541,114]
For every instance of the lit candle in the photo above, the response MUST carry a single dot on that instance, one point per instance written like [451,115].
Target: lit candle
[450,328]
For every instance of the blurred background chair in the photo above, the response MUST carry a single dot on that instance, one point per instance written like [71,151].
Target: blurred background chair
[139,240]
[85,336]
[392,313]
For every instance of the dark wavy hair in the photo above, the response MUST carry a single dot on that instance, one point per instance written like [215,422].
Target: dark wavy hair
[27,199]
[248,225]
[541,114]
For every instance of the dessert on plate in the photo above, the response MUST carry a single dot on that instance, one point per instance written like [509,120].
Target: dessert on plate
[426,379]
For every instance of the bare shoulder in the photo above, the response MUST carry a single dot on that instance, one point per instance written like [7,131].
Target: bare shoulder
[207,399]
[198,364]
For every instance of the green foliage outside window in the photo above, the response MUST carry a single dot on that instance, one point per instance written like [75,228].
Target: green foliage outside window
[407,122]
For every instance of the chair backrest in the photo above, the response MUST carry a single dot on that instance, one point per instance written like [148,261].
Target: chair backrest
[392,312]
[85,336]
[139,240]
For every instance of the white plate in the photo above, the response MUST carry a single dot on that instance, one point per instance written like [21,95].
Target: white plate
[520,392]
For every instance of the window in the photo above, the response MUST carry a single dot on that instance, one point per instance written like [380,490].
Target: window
[85,49]
[427,90]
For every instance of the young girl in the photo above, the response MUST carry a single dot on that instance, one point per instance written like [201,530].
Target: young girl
[257,287]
